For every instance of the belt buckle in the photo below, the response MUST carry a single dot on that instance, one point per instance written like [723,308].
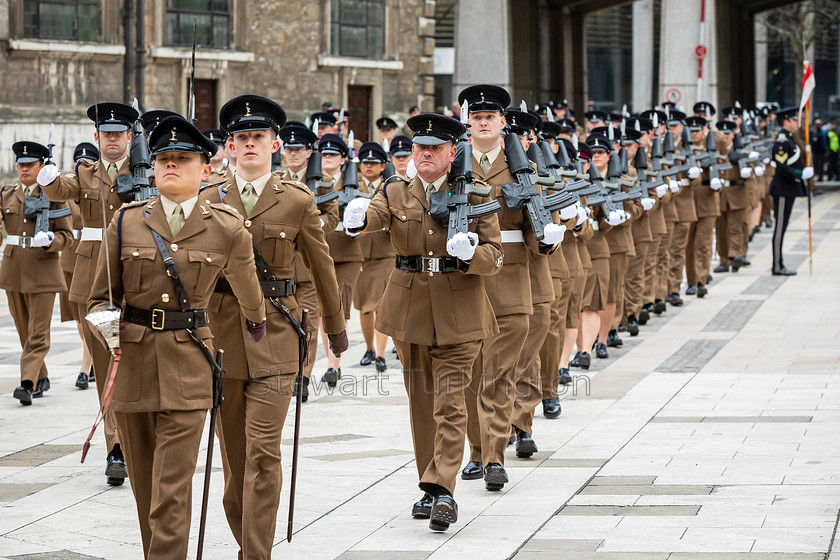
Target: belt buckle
[158,319]
[432,265]
[25,241]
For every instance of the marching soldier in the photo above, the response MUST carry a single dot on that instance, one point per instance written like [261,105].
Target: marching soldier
[94,185]
[400,152]
[686,215]
[220,169]
[435,307]
[30,272]
[387,128]
[734,202]
[284,222]
[327,122]
[788,182]
[163,387]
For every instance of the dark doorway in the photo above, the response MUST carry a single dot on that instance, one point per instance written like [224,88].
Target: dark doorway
[358,102]
[206,110]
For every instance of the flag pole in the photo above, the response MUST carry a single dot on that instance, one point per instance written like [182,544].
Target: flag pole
[808,183]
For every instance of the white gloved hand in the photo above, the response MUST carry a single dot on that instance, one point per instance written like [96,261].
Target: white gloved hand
[759,170]
[694,172]
[588,211]
[569,212]
[661,190]
[746,173]
[753,155]
[766,161]
[647,203]
[675,186]
[807,173]
[354,213]
[553,234]
[615,218]
[582,214]
[43,239]
[461,246]
[716,184]
[47,175]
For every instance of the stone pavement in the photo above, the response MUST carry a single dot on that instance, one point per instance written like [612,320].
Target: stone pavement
[712,435]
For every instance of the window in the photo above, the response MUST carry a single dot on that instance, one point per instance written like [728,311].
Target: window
[75,20]
[357,28]
[212,23]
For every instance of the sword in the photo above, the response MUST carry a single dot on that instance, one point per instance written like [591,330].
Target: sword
[208,463]
[301,329]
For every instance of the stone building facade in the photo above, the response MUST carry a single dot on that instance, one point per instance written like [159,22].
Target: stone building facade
[373,57]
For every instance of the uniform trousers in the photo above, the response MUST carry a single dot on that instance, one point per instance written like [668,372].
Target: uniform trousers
[663,269]
[491,396]
[678,244]
[161,450]
[698,250]
[651,275]
[530,366]
[730,235]
[618,278]
[32,314]
[250,428]
[307,299]
[436,380]
[575,305]
[782,207]
[634,286]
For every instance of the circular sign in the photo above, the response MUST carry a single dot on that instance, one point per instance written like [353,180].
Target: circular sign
[673,95]
[700,51]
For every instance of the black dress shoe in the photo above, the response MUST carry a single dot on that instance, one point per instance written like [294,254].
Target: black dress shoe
[701,290]
[368,358]
[380,364]
[495,476]
[41,387]
[525,444]
[676,300]
[746,261]
[115,469]
[622,327]
[305,395]
[613,340]
[632,325]
[601,351]
[659,307]
[423,508]
[331,377]
[82,380]
[565,377]
[551,408]
[784,272]
[691,290]
[722,268]
[24,395]
[585,360]
[644,315]
[736,262]
[91,376]
[472,471]
[575,362]
[444,513]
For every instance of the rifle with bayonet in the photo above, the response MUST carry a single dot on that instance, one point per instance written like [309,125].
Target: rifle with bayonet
[137,187]
[523,194]
[315,180]
[669,158]
[350,184]
[38,207]
[558,199]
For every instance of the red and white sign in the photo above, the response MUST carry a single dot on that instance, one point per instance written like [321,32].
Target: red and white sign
[673,95]
[700,51]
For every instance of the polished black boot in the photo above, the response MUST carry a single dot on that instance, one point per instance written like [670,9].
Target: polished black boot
[613,340]
[24,393]
[736,262]
[331,377]
[472,471]
[585,360]
[691,290]
[659,307]
[525,444]
[444,512]
[116,470]
[601,351]
[632,325]
[495,476]
[423,508]
[82,381]
[676,301]
[701,290]
[551,408]
[368,358]
[644,314]
[565,377]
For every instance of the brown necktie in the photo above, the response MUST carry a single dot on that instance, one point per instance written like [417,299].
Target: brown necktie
[484,163]
[112,171]
[249,198]
[430,188]
[176,220]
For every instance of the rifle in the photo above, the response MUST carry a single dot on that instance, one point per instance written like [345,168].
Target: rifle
[523,193]
[315,182]
[545,177]
[136,187]
[38,207]
[208,462]
[350,185]
[576,189]
[607,196]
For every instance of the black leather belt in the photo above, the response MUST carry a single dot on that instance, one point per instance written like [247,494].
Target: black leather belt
[707,182]
[424,264]
[274,288]
[165,319]
[736,183]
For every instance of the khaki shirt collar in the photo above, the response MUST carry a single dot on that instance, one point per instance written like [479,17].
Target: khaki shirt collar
[169,206]
[259,183]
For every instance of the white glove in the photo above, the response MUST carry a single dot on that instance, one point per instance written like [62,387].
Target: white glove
[675,186]
[746,173]
[43,239]
[647,203]
[716,184]
[661,190]
[615,218]
[753,155]
[354,213]
[553,234]
[462,246]
[807,173]
[694,172]
[47,175]
[582,214]
[588,211]
[759,170]
[569,212]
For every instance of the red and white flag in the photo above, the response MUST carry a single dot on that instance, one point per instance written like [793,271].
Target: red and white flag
[808,85]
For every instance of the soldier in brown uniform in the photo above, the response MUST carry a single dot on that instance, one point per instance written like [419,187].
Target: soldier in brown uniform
[163,386]
[734,200]
[258,383]
[69,310]
[686,215]
[400,152]
[30,272]
[94,185]
[220,169]
[437,319]
[377,256]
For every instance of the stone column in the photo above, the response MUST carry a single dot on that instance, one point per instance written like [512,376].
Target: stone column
[760,61]
[642,55]
[482,44]
[678,61]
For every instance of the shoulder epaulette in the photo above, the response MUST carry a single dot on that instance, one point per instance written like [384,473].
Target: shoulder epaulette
[215,185]
[295,184]
[395,177]
[226,208]
[781,137]
[133,204]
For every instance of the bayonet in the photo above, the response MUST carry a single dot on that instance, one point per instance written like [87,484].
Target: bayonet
[191,105]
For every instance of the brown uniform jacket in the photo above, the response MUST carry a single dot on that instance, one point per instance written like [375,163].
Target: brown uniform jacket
[425,308]
[68,253]
[90,185]
[286,227]
[31,270]
[166,370]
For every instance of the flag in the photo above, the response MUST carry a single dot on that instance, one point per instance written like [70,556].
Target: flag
[808,85]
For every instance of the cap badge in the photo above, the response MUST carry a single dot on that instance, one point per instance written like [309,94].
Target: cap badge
[247,109]
[24,149]
[370,153]
[84,151]
[430,126]
[113,118]
[482,96]
[173,138]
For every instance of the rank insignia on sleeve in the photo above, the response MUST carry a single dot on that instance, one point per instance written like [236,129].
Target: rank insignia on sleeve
[781,156]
